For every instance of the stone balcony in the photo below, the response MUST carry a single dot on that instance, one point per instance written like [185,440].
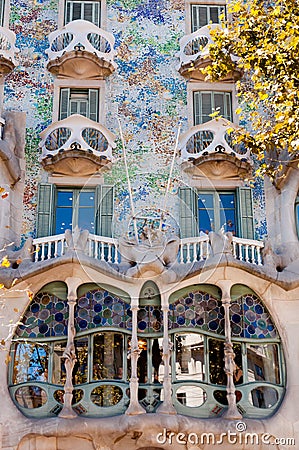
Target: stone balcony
[76,145]
[194,54]
[8,51]
[81,50]
[209,147]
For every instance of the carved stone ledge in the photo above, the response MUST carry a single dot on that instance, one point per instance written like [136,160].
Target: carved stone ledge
[80,65]
[192,71]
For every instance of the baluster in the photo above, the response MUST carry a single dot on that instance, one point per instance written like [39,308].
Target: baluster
[240,252]
[201,251]
[90,248]
[56,249]
[96,249]
[259,257]
[246,253]
[234,250]
[36,253]
[208,249]
[181,253]
[109,253]
[252,254]
[188,253]
[43,252]
[102,251]
[62,246]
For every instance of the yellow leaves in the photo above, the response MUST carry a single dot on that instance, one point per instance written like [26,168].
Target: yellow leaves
[5,262]
[238,111]
[1,285]
[263,95]
[29,294]
[215,114]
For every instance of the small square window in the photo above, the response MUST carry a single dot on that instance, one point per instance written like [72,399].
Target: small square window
[84,10]
[207,102]
[202,15]
[79,101]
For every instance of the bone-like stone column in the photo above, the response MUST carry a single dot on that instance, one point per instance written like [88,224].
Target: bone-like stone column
[134,406]
[69,354]
[232,412]
[166,407]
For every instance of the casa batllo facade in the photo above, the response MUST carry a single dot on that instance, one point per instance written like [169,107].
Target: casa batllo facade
[148,288]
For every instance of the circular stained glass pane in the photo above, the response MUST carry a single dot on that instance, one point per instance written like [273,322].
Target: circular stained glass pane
[107,313]
[116,319]
[83,313]
[31,397]
[83,302]
[59,306]
[97,308]
[106,395]
[235,308]
[35,307]
[98,296]
[180,308]
[250,315]
[43,328]
[44,314]
[191,396]
[262,324]
[259,309]
[142,325]
[59,328]
[45,300]
[117,307]
[108,300]
[190,314]
[212,304]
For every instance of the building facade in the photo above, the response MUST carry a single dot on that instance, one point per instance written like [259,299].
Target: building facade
[149,285]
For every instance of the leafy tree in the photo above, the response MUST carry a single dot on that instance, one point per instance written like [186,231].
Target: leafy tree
[261,41]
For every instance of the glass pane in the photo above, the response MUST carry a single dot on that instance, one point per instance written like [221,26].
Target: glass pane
[157,362]
[77,14]
[30,363]
[199,17]
[206,220]
[205,201]
[191,396]
[219,103]
[214,14]
[81,367]
[31,396]
[227,200]
[64,217]
[189,350]
[262,362]
[65,198]
[263,397]
[88,11]
[86,198]
[58,374]
[142,361]
[216,362]
[108,356]
[206,110]
[106,395]
[86,219]
[83,108]
[228,220]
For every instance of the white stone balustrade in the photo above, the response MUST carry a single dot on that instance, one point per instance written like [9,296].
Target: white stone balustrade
[210,137]
[82,35]
[191,250]
[7,45]
[77,133]
[195,45]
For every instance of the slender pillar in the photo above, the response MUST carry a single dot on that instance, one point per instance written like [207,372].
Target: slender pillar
[69,354]
[167,406]
[232,412]
[134,406]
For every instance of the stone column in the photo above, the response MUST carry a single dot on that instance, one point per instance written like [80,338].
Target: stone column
[134,406]
[69,354]
[232,412]
[166,407]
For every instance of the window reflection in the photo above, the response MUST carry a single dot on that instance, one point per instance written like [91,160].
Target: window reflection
[59,373]
[81,367]
[263,397]
[107,356]
[31,362]
[216,362]
[263,363]
[189,356]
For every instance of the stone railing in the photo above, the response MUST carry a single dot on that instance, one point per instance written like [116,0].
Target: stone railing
[82,35]
[7,46]
[102,248]
[195,45]
[214,136]
[77,133]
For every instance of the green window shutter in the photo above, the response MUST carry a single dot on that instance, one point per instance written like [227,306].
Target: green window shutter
[245,207]
[93,100]
[188,212]
[104,215]
[64,103]
[45,207]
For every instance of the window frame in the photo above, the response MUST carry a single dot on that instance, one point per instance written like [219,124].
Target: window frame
[80,84]
[217,209]
[78,101]
[228,115]
[81,3]
[209,87]
[62,13]
[188,3]
[208,6]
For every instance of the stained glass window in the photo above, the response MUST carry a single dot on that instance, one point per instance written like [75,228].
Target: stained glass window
[100,308]
[197,309]
[46,316]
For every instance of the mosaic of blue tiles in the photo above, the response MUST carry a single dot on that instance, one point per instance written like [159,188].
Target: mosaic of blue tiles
[146,92]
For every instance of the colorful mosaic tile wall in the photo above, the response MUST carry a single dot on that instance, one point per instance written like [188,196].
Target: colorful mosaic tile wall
[146,92]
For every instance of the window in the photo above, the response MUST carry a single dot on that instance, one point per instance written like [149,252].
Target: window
[217,210]
[79,101]
[204,211]
[202,15]
[205,103]
[60,209]
[85,10]
[75,208]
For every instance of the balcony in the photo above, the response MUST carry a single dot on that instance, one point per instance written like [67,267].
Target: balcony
[208,147]
[191,250]
[7,51]
[81,50]
[194,54]
[76,145]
